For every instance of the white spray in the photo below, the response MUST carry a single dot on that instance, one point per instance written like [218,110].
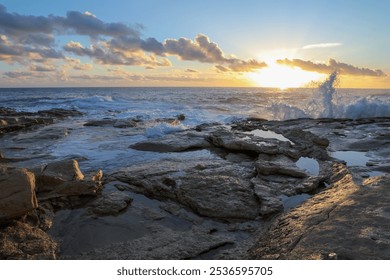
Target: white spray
[327,91]
[329,103]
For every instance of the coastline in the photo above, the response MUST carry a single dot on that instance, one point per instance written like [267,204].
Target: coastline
[219,192]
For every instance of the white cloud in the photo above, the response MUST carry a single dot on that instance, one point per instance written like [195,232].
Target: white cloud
[321,45]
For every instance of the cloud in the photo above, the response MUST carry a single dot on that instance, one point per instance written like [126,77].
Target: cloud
[321,45]
[238,65]
[33,37]
[333,65]
[221,68]
[42,68]
[88,24]
[83,67]
[188,70]
[22,75]
[203,50]
[15,24]
[96,77]
[104,54]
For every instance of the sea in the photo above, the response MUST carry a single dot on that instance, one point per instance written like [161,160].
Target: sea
[108,148]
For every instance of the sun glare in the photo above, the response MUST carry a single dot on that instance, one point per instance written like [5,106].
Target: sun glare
[283,77]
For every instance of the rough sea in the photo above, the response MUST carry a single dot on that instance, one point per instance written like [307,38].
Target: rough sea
[108,147]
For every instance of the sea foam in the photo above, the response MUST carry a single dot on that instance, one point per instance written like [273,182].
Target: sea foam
[326,102]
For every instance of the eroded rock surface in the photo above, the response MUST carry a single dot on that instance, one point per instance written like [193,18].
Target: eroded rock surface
[19,240]
[64,179]
[11,120]
[213,188]
[211,192]
[344,222]
[17,193]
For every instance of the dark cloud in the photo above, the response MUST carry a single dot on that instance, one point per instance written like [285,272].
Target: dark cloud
[107,55]
[90,25]
[152,45]
[203,50]
[74,23]
[191,71]
[42,68]
[37,39]
[7,49]
[26,36]
[15,24]
[186,49]
[239,65]
[333,65]
[21,75]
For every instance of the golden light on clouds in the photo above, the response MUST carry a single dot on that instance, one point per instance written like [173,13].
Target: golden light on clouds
[280,76]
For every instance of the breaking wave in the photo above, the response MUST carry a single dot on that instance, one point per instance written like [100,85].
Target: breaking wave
[326,102]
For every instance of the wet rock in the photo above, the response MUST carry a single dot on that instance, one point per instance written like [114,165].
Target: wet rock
[181,117]
[218,196]
[100,123]
[118,123]
[60,113]
[11,120]
[125,123]
[244,143]
[219,189]
[177,142]
[17,193]
[308,143]
[111,204]
[161,243]
[345,222]
[19,240]
[279,164]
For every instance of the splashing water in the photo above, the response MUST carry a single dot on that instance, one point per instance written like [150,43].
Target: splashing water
[327,91]
[326,103]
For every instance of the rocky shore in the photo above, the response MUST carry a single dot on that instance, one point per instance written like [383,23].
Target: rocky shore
[253,189]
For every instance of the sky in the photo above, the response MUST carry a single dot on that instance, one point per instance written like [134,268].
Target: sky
[194,43]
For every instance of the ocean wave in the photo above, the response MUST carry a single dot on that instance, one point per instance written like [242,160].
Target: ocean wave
[326,102]
[161,129]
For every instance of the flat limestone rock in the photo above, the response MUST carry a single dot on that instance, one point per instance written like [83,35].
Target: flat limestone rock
[343,222]
[246,143]
[213,188]
[279,165]
[11,120]
[17,193]
[161,244]
[178,142]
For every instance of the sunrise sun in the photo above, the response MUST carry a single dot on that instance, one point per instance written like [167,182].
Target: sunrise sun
[280,76]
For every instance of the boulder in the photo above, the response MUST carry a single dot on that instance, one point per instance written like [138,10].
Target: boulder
[64,178]
[17,193]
